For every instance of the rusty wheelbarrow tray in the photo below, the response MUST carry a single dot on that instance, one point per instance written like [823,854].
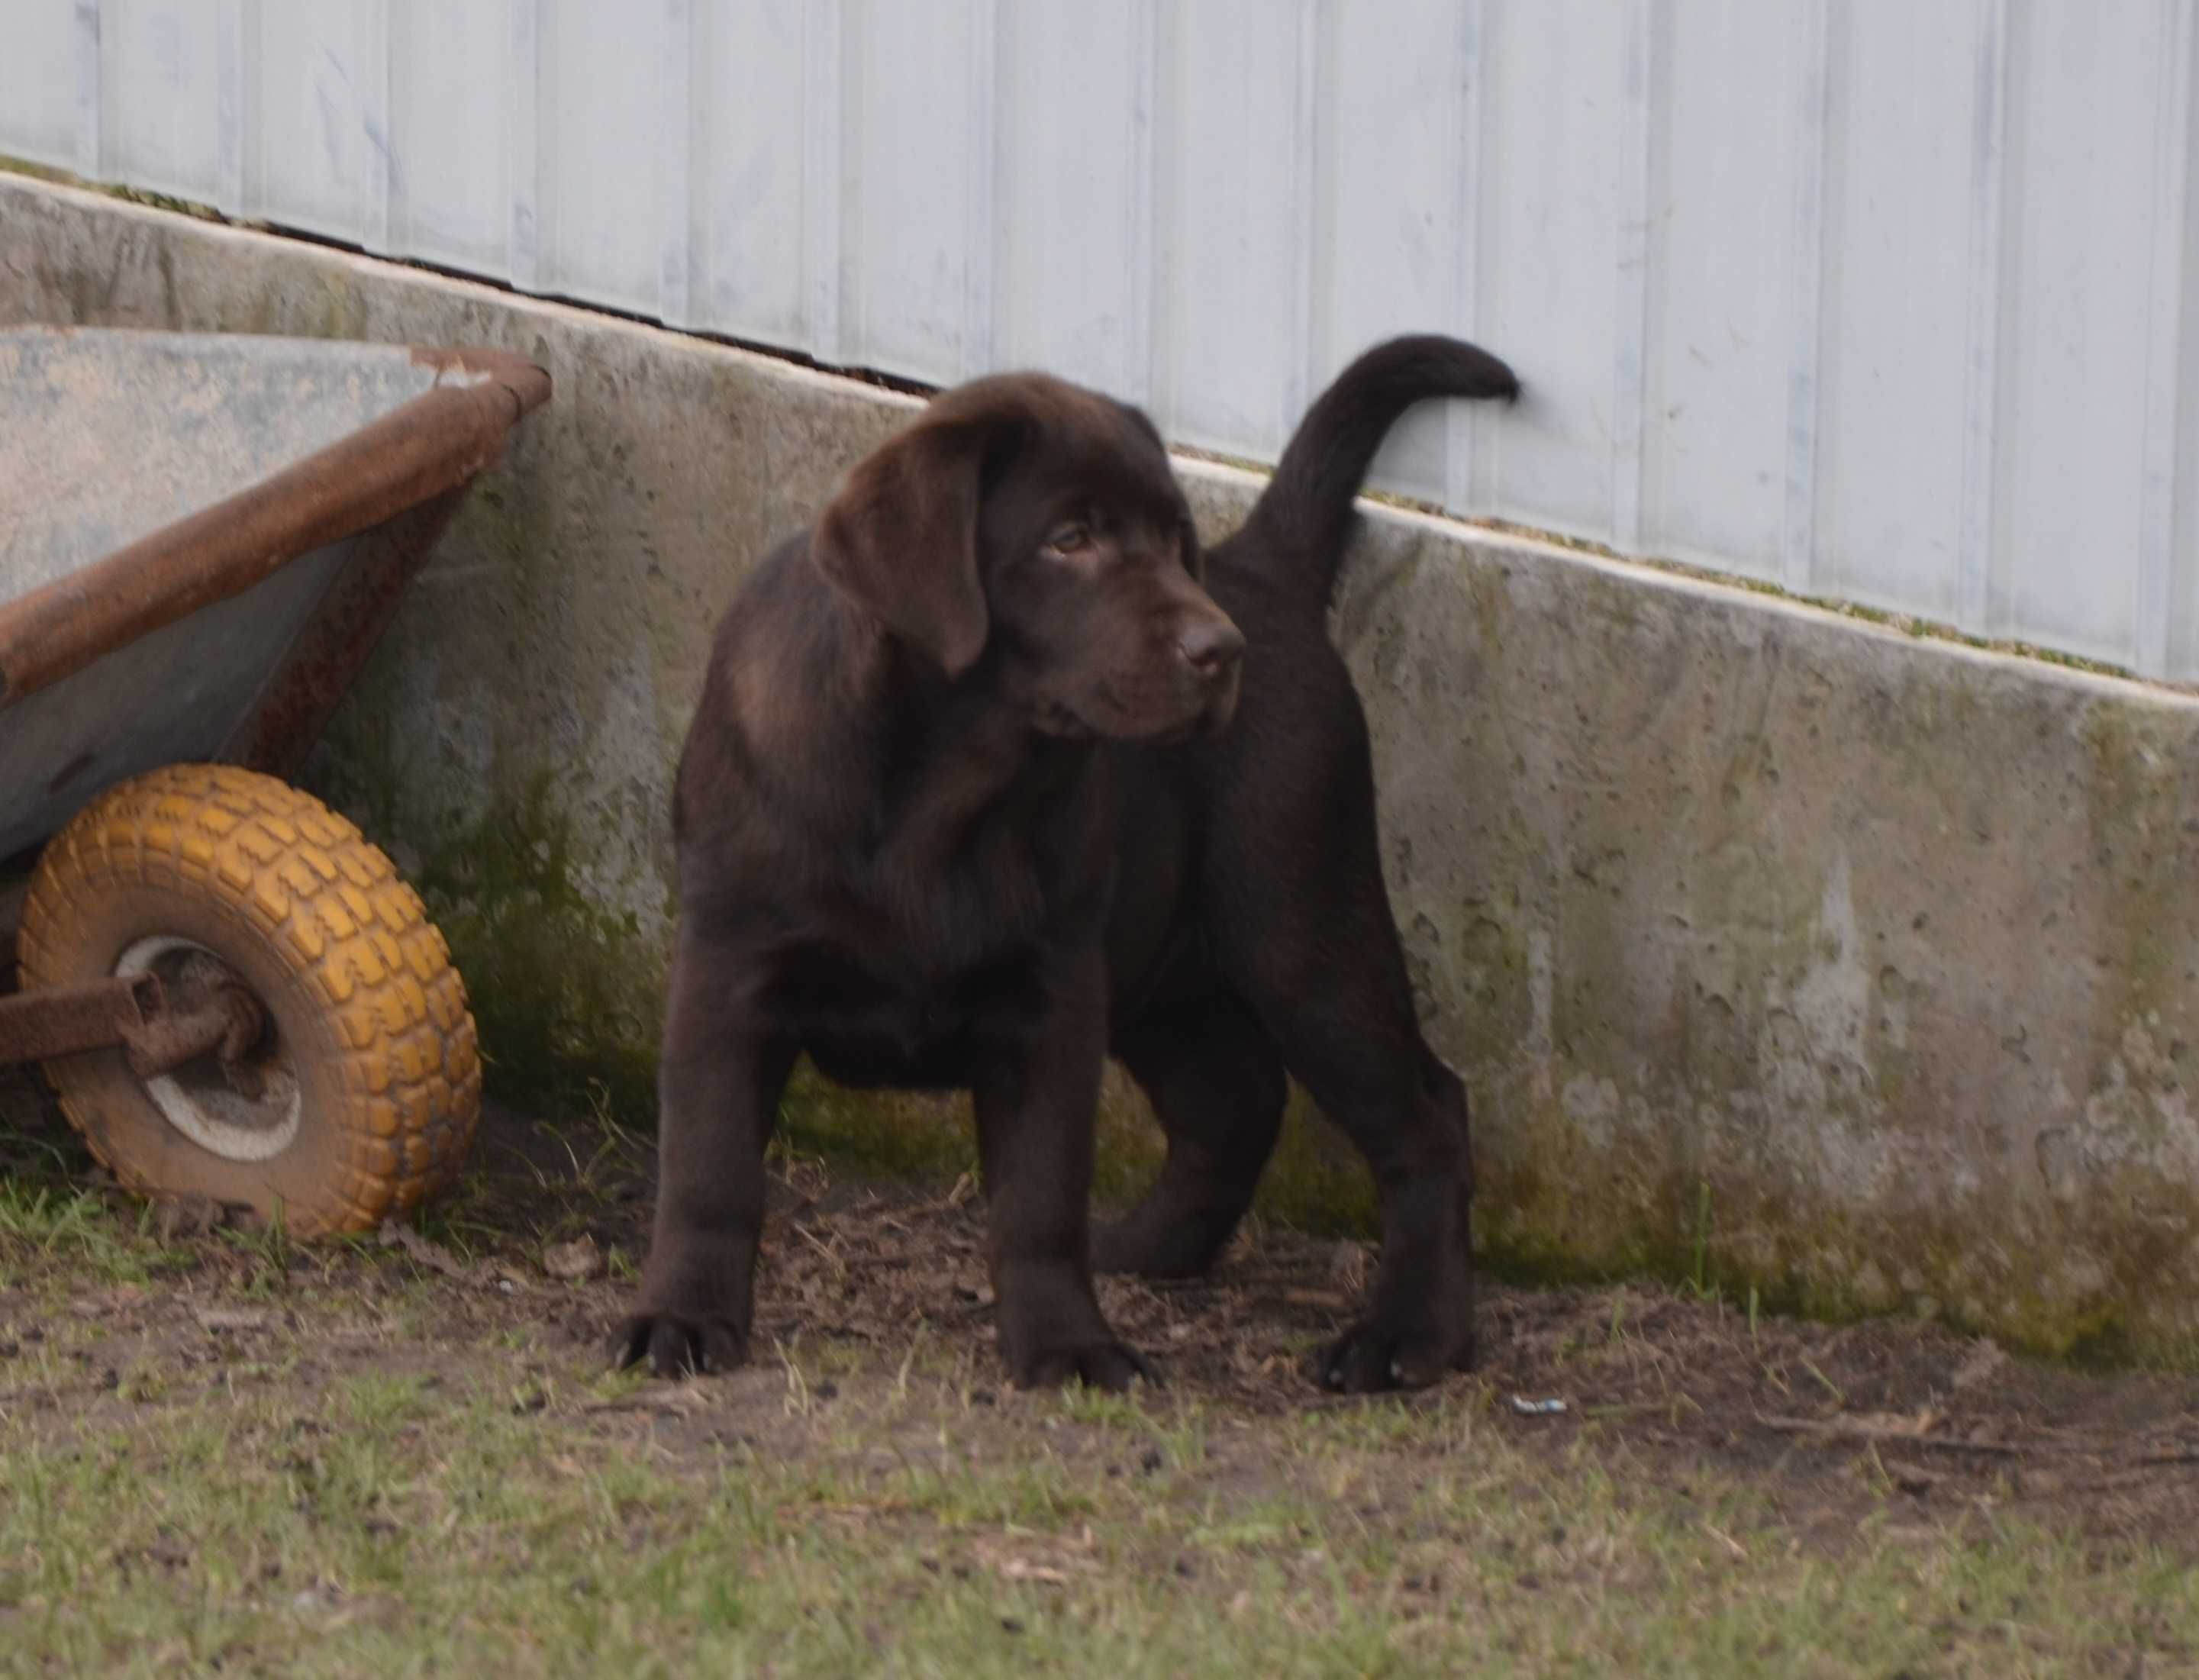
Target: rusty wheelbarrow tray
[203,537]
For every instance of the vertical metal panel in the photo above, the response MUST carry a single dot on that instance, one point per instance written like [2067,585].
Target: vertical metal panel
[159,122]
[824,53]
[323,160]
[1984,328]
[378,162]
[1391,121]
[1890,301]
[1138,215]
[522,85]
[91,120]
[1308,89]
[43,109]
[597,151]
[2184,580]
[1464,470]
[1553,289]
[2083,120]
[675,151]
[907,162]
[1076,99]
[1720,250]
[981,166]
[450,132]
[1226,247]
[1636,211]
[747,245]
[1900,276]
[1812,47]
[2165,289]
[236,48]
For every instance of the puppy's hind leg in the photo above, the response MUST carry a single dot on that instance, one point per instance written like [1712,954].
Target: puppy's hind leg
[1354,1045]
[1307,938]
[1216,1084]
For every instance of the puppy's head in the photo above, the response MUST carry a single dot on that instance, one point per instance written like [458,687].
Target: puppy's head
[1032,528]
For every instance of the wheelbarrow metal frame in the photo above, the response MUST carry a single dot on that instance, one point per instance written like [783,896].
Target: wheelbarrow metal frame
[399,479]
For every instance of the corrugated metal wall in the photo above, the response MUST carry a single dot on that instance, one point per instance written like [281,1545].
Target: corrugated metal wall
[1889,300]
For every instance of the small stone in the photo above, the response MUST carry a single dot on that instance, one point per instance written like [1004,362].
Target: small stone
[575,1262]
[180,1218]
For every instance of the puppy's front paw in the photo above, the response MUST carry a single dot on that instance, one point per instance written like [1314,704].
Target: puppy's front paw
[1373,1356]
[1106,1365]
[678,1345]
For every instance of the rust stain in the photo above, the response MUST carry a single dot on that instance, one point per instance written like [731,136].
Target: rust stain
[334,644]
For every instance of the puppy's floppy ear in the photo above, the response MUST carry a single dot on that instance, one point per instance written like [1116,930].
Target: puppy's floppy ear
[901,538]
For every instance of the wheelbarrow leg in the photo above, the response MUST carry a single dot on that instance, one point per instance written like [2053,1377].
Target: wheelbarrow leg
[63,1020]
[160,1031]
[11,919]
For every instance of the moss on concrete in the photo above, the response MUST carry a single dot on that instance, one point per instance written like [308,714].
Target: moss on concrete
[2082,1281]
[2133,810]
[566,994]
[1313,1183]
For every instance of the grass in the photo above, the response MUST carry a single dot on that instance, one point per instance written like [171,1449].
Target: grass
[42,1226]
[386,1524]
[232,1453]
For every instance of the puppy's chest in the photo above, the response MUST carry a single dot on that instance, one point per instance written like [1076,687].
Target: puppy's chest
[899,970]
[868,1020]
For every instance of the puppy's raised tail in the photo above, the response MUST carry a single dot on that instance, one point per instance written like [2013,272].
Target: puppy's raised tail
[1304,514]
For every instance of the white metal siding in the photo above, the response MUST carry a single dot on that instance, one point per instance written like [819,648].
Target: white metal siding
[1892,301]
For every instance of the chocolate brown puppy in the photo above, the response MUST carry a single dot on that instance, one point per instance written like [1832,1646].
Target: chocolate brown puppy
[963,807]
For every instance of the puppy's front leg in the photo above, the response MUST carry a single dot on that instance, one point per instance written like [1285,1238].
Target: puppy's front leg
[719,1083]
[1035,1101]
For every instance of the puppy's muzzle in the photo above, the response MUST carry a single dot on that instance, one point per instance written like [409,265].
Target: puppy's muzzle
[1214,648]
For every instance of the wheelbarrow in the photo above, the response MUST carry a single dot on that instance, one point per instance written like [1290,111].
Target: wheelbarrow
[233,992]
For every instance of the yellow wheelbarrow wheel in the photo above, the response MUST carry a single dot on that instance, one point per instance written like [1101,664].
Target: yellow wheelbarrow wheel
[358,1093]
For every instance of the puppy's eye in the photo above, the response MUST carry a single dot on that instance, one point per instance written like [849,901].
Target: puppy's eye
[1069,538]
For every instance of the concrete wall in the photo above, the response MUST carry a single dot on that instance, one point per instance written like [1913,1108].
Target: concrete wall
[1865,967]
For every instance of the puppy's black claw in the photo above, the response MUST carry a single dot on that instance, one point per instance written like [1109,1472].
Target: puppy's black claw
[1142,1368]
[1107,1366]
[1369,1359]
[679,1348]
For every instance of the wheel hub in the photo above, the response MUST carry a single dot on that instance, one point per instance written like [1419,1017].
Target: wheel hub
[213,1066]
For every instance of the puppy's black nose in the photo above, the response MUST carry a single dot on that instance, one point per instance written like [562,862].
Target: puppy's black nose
[1211,646]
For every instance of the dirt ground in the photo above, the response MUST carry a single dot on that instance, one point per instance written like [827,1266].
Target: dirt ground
[1830,1423]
